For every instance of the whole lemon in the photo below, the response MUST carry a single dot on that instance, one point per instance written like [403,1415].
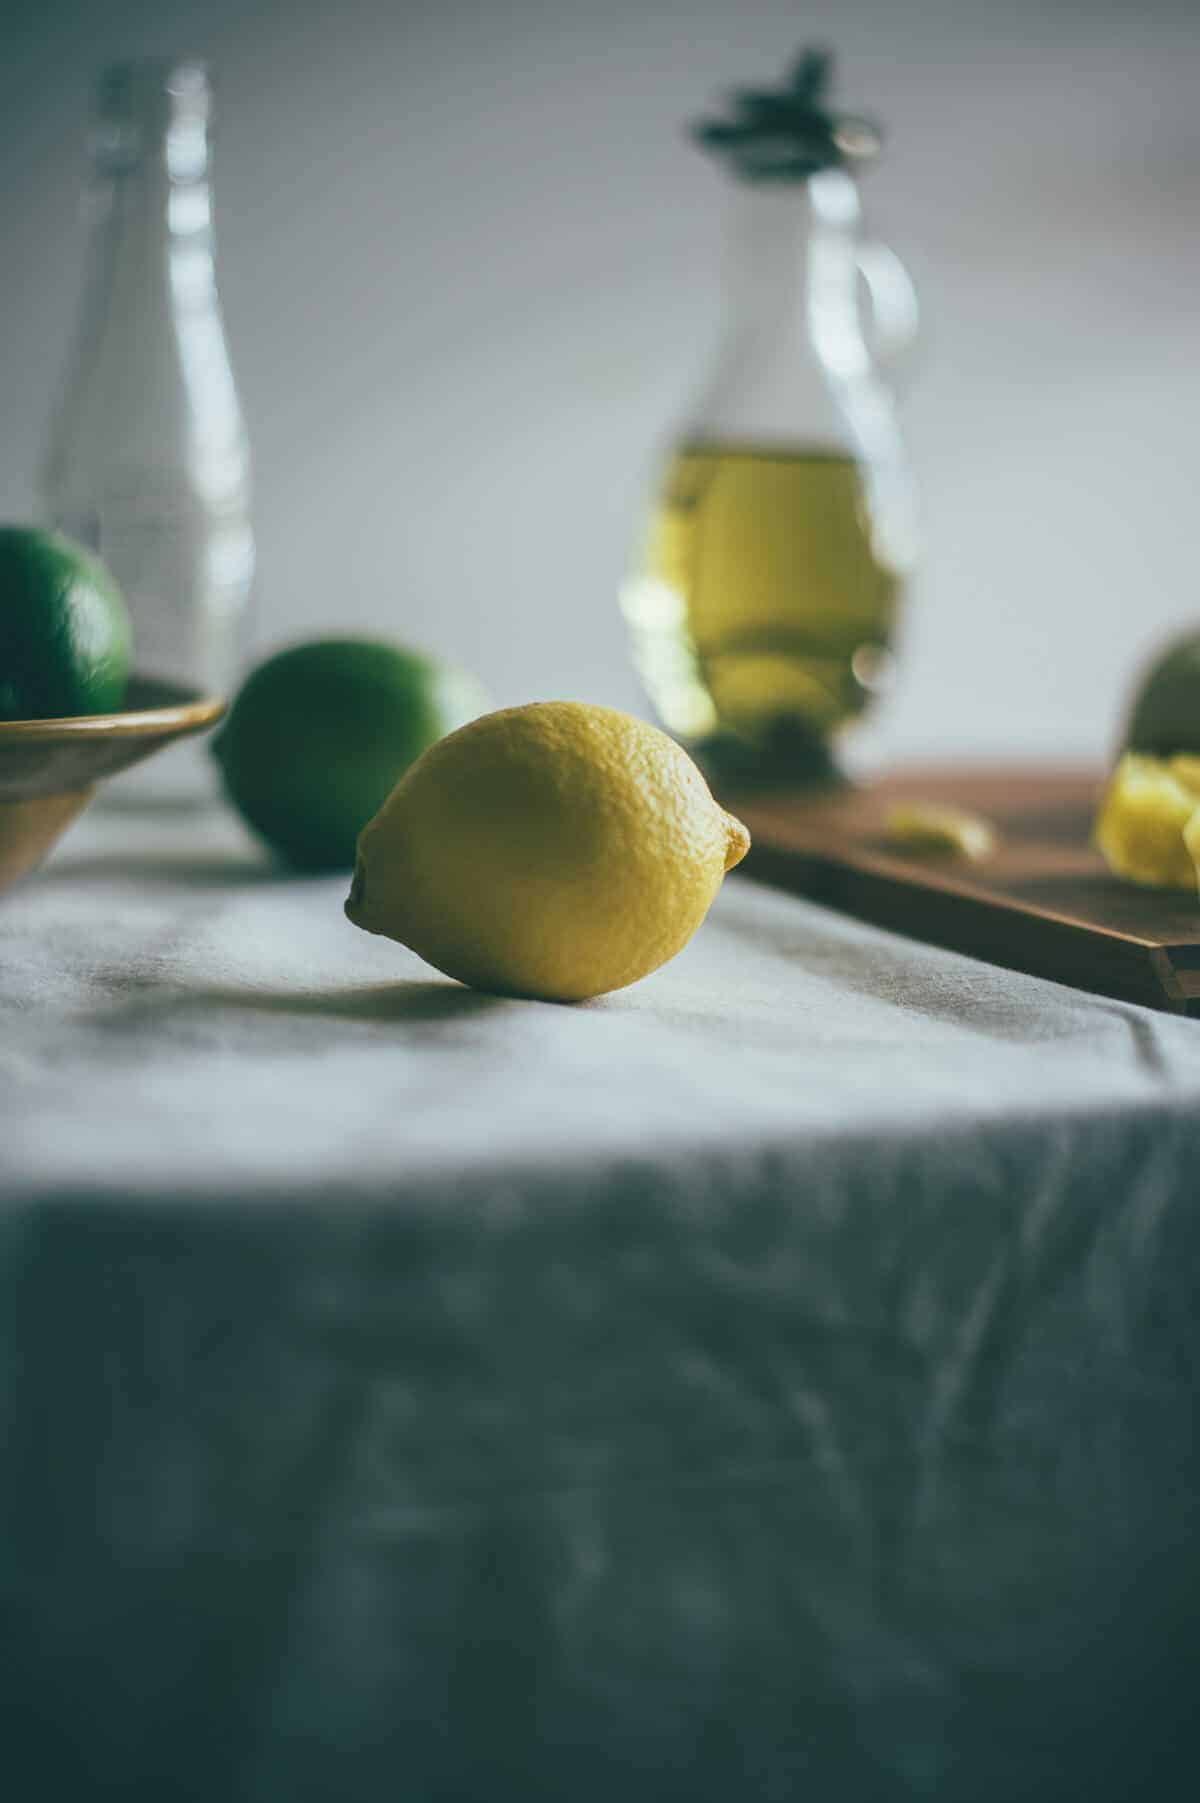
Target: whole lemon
[557,850]
[319,734]
[65,637]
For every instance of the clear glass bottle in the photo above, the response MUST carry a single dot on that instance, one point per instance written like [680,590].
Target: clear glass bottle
[762,604]
[148,462]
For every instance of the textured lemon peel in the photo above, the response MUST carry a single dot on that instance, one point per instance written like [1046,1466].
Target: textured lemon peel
[932,827]
[1148,824]
[557,851]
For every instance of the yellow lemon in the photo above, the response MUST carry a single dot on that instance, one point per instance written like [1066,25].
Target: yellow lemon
[557,850]
[1145,825]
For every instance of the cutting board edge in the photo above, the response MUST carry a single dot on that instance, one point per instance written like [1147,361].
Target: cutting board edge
[1042,945]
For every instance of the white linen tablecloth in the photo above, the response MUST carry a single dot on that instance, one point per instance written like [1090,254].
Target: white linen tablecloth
[781,1373]
[181,1018]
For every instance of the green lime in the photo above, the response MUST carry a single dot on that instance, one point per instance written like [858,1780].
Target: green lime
[65,638]
[320,734]
[1166,711]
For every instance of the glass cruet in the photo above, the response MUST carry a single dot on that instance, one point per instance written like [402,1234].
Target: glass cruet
[762,604]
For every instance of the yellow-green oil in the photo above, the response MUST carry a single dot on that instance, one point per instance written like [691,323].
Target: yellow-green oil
[762,605]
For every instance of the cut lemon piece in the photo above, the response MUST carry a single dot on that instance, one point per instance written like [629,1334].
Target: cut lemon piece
[1185,768]
[926,826]
[1143,829]
[1191,838]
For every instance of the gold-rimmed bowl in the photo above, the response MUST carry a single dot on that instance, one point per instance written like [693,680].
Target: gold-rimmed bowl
[50,769]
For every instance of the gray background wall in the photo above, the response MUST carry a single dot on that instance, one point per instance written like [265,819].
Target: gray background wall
[468,264]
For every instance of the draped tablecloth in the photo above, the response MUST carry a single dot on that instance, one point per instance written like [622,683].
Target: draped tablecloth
[777,1380]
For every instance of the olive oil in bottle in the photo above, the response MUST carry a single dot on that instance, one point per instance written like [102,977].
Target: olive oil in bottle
[764,599]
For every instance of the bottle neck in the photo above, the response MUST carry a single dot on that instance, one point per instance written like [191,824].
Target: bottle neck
[148,195]
[153,226]
[775,234]
[151,387]
[790,301]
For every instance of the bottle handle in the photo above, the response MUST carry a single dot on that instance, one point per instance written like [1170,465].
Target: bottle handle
[893,312]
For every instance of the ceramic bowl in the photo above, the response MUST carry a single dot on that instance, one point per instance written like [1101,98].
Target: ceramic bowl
[49,769]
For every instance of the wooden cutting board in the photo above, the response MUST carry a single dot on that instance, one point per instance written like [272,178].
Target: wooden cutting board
[1044,902]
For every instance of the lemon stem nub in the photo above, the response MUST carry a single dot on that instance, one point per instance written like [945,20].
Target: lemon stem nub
[737,841]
